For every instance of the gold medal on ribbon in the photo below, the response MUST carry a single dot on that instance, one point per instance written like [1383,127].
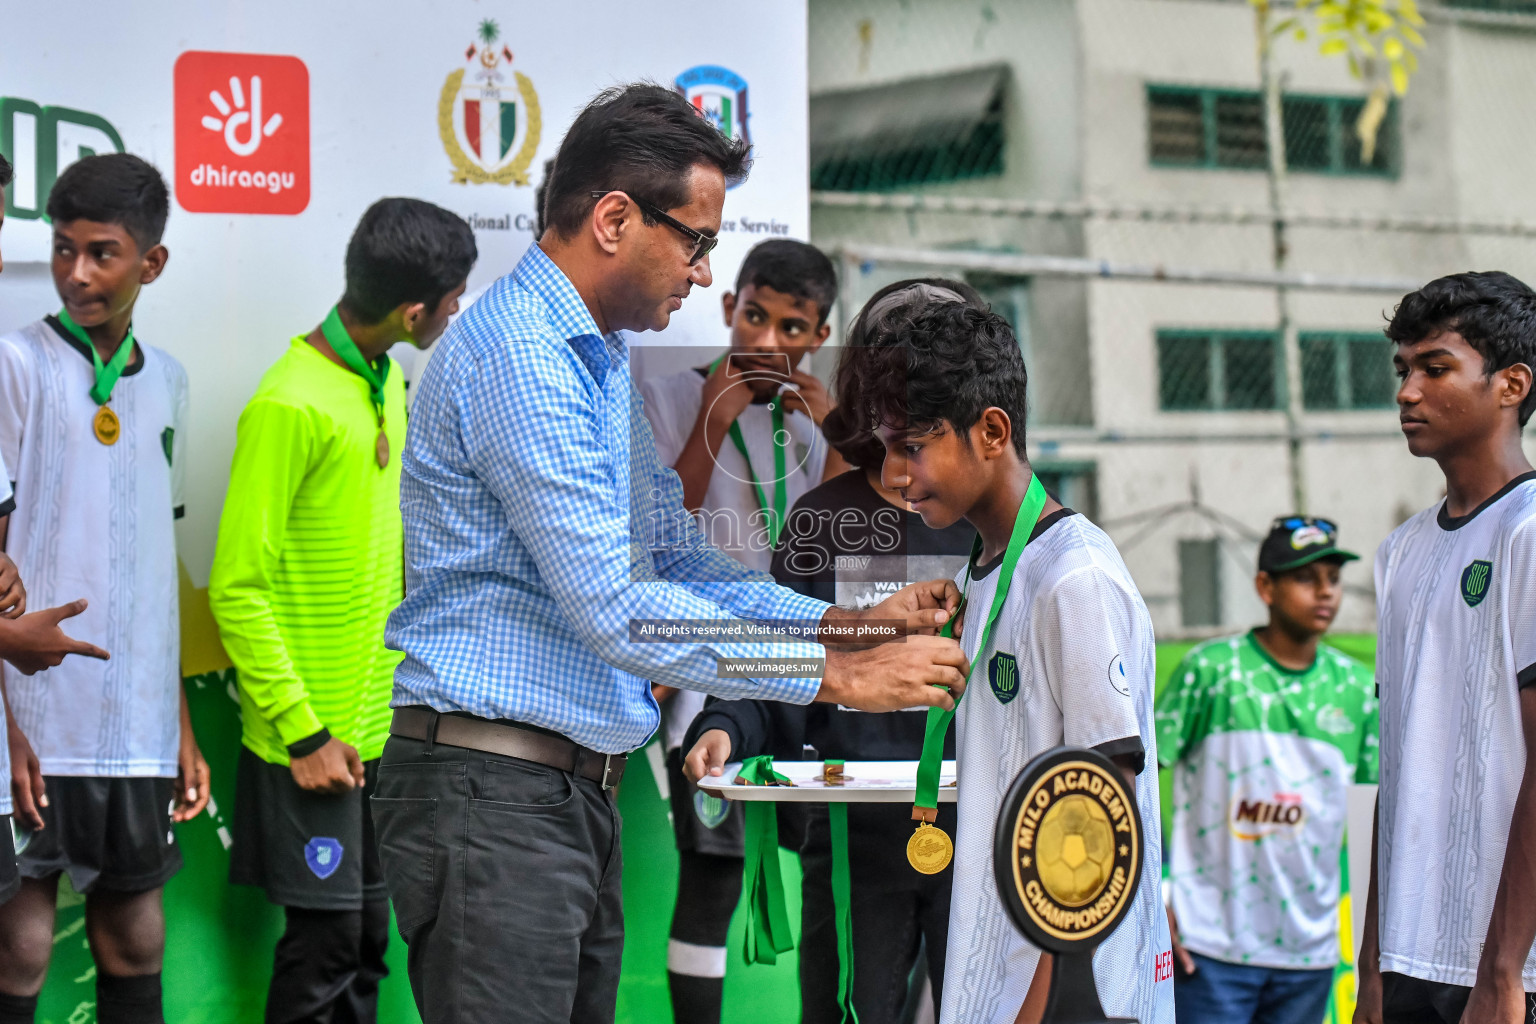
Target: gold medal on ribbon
[381,449]
[930,849]
[106,426]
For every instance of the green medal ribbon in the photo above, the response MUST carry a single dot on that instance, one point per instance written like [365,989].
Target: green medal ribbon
[842,906]
[937,727]
[768,932]
[774,511]
[108,372]
[340,341]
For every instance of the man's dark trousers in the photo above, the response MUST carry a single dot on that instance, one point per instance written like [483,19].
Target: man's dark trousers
[505,880]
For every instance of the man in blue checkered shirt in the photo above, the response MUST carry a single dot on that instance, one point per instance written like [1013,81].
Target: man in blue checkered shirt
[552,573]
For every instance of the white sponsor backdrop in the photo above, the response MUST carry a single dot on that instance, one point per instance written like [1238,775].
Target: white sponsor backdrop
[239,285]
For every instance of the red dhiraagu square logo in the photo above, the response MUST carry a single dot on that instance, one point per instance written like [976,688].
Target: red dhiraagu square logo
[242,133]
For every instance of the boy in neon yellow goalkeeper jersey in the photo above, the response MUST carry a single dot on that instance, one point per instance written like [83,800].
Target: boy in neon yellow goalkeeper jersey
[308,567]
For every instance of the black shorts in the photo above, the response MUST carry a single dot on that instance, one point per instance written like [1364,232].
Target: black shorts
[10,878]
[1409,1000]
[702,822]
[308,850]
[106,833]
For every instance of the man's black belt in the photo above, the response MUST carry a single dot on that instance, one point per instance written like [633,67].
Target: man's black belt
[508,740]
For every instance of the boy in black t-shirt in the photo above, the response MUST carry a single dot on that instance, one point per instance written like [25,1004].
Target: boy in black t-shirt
[852,542]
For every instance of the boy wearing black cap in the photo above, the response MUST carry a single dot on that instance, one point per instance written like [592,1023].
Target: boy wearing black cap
[1264,732]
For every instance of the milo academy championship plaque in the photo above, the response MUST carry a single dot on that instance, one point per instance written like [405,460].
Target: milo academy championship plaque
[1067,857]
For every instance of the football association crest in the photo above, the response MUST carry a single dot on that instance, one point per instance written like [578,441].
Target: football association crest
[710,809]
[1474,582]
[323,855]
[489,125]
[720,97]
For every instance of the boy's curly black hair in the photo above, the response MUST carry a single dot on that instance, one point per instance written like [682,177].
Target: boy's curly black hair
[1493,311]
[928,363]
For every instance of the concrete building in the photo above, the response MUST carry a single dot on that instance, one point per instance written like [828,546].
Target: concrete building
[1158,407]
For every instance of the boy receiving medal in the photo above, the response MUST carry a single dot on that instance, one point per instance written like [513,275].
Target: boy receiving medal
[1059,640]
[307,569]
[92,425]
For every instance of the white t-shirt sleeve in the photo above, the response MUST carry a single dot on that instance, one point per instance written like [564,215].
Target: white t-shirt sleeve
[6,504]
[1086,627]
[1522,602]
[15,400]
[661,411]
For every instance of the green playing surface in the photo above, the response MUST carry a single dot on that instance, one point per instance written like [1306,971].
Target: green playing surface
[220,937]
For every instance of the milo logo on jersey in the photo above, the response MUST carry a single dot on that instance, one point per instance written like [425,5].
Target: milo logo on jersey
[1257,817]
[1474,582]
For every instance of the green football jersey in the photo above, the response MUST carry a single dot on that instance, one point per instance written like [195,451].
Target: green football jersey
[1262,757]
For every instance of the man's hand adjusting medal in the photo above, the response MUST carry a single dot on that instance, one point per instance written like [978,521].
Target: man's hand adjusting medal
[914,672]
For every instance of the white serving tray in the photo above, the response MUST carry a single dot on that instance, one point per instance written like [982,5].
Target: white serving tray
[880,782]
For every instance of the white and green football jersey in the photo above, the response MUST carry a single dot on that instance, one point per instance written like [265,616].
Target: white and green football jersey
[1263,757]
[1456,643]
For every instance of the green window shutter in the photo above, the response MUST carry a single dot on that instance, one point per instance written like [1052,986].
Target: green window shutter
[1184,371]
[1384,160]
[1176,127]
[1319,372]
[1250,372]
[1372,380]
[1224,128]
[1240,130]
[1307,133]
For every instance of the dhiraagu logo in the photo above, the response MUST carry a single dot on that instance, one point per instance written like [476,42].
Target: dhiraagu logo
[40,141]
[1474,582]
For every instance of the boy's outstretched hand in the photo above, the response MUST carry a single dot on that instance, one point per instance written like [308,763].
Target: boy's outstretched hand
[13,596]
[35,642]
[709,755]
[27,791]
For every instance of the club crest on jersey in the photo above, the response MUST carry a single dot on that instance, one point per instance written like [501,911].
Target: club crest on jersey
[1474,582]
[1003,674]
[710,809]
[323,855]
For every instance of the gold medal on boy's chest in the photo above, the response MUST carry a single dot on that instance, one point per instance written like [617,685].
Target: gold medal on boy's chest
[106,426]
[381,449]
[930,849]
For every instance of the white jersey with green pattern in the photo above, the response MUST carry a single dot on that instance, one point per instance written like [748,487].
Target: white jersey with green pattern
[1262,757]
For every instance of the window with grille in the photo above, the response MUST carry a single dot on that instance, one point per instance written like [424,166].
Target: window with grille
[1207,371]
[1224,128]
[1346,371]
[919,131]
